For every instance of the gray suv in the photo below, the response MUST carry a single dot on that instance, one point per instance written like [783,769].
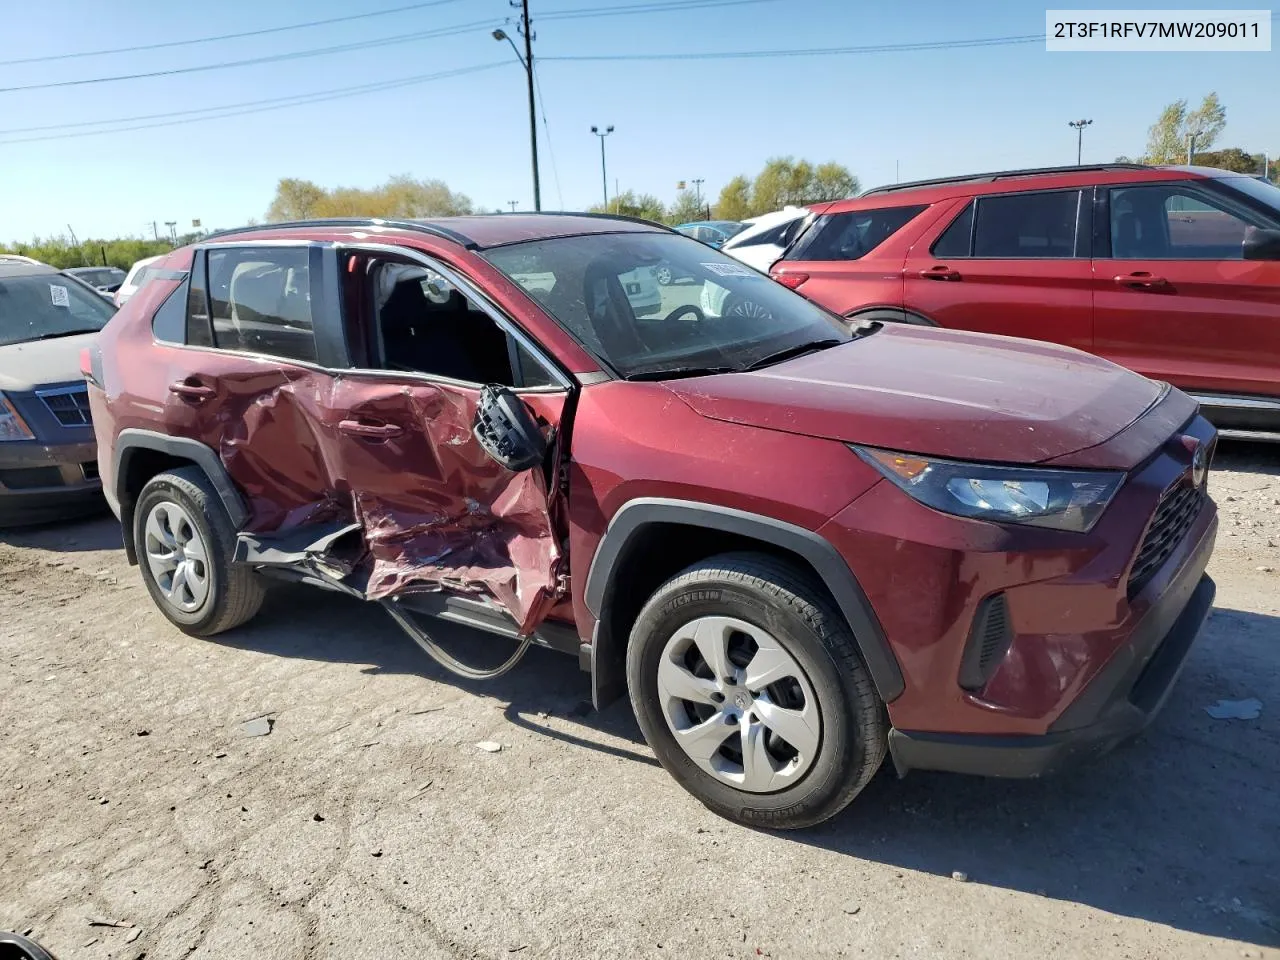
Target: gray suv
[48,457]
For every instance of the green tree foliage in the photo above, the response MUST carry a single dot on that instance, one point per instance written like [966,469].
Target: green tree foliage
[60,252]
[1231,158]
[401,196]
[783,181]
[686,208]
[735,200]
[630,204]
[1168,137]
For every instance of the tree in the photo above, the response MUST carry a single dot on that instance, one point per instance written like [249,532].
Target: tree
[735,200]
[400,196]
[1169,137]
[1232,158]
[784,181]
[686,208]
[629,204]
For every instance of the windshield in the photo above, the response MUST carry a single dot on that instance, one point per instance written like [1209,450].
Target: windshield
[48,305]
[1257,189]
[715,314]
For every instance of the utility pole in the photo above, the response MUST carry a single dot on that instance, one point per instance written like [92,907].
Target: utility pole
[155,231]
[604,176]
[697,189]
[526,61]
[1079,125]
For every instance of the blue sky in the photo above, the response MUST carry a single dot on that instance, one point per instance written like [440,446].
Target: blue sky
[933,113]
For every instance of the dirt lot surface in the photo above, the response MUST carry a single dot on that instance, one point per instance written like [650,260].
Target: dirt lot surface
[368,823]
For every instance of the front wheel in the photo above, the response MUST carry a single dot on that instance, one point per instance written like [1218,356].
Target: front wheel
[747,684]
[662,273]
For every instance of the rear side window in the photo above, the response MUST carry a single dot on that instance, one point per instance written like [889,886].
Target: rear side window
[778,236]
[199,333]
[956,239]
[849,236]
[260,301]
[169,324]
[1024,226]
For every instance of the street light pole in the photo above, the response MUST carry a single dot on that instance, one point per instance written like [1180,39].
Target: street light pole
[526,61]
[604,177]
[1079,125]
[697,186]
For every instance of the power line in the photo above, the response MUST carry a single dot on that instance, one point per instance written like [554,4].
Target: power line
[272,58]
[226,36]
[810,51]
[297,100]
[660,6]
[546,128]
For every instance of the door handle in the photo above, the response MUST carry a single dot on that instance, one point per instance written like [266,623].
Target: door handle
[370,431]
[940,273]
[1140,280]
[191,391]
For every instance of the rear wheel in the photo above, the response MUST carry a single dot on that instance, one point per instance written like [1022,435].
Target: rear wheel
[662,273]
[748,686]
[185,541]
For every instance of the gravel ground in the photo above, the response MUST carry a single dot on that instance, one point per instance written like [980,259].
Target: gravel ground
[368,823]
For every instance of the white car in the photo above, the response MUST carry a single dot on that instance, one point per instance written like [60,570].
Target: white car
[136,277]
[760,245]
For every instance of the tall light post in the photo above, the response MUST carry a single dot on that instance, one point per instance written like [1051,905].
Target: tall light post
[697,186]
[604,177]
[526,61]
[173,233]
[1079,125]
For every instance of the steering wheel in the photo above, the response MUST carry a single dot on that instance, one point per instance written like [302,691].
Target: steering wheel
[698,315]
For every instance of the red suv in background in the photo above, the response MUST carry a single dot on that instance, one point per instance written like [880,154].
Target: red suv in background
[798,545]
[1171,271]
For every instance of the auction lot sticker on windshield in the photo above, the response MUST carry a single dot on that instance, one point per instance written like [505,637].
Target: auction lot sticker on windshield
[59,295]
[729,269]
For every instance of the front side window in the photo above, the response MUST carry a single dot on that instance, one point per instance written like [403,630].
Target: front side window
[47,306]
[260,301]
[851,235]
[1022,226]
[1171,222]
[602,290]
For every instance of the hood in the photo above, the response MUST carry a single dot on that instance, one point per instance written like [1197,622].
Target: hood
[38,363]
[944,393]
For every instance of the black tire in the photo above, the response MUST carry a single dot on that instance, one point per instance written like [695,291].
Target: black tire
[736,305]
[235,592]
[774,596]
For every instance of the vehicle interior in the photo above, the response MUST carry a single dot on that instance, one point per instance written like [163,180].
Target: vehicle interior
[1162,223]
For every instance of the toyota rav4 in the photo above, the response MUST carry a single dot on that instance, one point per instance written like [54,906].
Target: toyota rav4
[798,546]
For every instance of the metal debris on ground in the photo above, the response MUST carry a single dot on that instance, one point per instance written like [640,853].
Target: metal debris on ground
[258,727]
[489,746]
[1249,709]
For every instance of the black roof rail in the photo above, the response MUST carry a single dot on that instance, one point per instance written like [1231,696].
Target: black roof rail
[1002,175]
[420,226]
[584,213]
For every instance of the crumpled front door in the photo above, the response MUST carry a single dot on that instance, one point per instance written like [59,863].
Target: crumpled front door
[438,513]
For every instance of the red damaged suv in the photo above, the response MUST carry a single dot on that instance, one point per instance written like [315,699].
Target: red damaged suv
[1171,271]
[797,545]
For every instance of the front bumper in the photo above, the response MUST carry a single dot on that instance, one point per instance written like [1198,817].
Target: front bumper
[1118,704]
[43,482]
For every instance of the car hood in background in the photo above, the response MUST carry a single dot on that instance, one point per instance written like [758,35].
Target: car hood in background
[947,393]
[37,363]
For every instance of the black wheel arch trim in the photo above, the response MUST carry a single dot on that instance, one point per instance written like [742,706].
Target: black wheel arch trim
[826,561]
[891,314]
[203,456]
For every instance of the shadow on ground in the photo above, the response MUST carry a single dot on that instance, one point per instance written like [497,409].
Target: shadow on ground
[1251,457]
[98,532]
[1181,827]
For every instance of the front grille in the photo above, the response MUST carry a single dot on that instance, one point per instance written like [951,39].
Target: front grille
[29,478]
[70,407]
[1174,516]
[989,640]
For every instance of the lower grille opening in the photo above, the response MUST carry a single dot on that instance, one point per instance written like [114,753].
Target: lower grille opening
[90,470]
[989,641]
[29,478]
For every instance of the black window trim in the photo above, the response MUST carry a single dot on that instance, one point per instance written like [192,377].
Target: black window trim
[1081,242]
[1207,189]
[564,381]
[971,208]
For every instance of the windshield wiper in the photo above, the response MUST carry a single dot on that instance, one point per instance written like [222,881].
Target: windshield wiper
[794,351]
[60,333]
[671,373]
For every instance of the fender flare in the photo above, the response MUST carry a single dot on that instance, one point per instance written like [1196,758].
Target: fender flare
[825,560]
[131,440]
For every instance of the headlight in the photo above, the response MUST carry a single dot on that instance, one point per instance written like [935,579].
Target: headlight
[1061,499]
[12,426]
